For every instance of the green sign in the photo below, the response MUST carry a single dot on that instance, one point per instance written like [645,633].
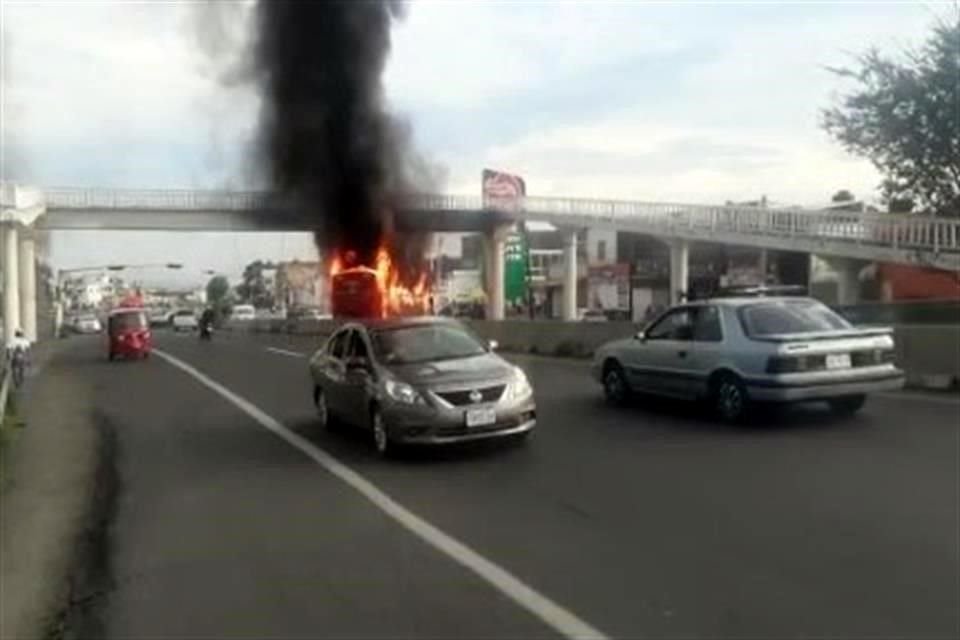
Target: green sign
[515,269]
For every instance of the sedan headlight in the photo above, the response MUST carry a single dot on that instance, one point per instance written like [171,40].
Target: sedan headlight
[402,392]
[519,387]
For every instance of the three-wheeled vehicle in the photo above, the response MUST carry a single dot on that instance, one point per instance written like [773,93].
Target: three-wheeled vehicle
[128,333]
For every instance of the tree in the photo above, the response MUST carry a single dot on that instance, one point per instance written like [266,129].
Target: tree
[903,117]
[843,196]
[254,288]
[218,289]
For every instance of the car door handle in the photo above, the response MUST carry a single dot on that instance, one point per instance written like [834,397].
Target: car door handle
[682,354]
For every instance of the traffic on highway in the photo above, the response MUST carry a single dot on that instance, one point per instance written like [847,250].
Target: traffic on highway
[417,320]
[243,480]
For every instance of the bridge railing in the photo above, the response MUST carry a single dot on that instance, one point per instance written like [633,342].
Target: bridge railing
[908,232]
[163,199]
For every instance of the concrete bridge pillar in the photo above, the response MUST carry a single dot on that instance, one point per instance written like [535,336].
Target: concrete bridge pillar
[496,242]
[679,270]
[848,280]
[11,282]
[763,266]
[570,276]
[28,285]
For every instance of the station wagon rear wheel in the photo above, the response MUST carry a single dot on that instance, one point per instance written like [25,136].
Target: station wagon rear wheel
[730,399]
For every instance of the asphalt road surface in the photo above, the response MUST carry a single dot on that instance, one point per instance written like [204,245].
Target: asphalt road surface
[650,521]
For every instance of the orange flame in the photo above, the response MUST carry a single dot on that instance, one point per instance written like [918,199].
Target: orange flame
[394,297]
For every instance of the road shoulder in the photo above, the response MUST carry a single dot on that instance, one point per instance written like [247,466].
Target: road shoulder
[50,484]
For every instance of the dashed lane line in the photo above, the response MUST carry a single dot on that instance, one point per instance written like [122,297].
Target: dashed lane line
[560,619]
[284,352]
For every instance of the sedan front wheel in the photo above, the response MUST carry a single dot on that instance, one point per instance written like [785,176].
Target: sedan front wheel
[320,403]
[381,437]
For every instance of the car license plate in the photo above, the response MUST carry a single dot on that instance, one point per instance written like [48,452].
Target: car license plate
[480,417]
[838,361]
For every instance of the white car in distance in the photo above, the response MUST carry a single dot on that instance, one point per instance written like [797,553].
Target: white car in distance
[184,320]
[243,312]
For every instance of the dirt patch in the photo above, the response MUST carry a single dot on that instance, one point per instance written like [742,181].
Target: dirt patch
[91,577]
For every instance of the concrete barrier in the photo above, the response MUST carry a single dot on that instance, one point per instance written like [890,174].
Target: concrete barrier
[929,353]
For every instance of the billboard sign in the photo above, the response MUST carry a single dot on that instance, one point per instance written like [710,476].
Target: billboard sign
[609,286]
[502,190]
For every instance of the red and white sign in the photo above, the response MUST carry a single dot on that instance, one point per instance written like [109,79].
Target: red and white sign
[502,190]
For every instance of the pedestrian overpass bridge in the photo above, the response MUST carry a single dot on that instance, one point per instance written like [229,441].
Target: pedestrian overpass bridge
[849,238]
[906,239]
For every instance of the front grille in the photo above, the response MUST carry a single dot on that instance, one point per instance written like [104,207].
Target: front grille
[460,398]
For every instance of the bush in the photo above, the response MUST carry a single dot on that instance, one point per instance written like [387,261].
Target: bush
[568,349]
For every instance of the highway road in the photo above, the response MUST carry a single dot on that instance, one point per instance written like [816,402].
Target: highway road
[649,521]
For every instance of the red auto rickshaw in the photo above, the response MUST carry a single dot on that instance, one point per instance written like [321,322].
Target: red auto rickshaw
[128,334]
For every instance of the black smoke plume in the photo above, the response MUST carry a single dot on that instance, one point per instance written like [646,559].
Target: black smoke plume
[328,140]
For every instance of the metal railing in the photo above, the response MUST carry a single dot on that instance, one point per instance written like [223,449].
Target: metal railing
[906,232]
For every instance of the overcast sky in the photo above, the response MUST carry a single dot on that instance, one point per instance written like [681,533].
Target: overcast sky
[652,101]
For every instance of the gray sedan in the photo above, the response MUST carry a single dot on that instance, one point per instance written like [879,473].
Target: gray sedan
[419,381]
[738,351]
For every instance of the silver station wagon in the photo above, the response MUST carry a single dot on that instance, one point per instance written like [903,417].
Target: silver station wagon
[420,381]
[738,351]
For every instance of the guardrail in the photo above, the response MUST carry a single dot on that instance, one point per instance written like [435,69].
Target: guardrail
[890,231]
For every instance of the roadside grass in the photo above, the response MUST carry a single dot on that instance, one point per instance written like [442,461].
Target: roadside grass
[10,426]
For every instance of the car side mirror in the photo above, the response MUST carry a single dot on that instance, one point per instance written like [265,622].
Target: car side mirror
[493,345]
[640,336]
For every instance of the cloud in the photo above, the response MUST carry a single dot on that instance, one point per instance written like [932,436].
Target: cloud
[651,101]
[466,55]
[94,78]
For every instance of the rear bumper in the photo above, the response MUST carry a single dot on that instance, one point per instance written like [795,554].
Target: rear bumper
[785,392]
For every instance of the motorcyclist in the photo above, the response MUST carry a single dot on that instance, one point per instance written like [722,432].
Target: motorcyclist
[206,322]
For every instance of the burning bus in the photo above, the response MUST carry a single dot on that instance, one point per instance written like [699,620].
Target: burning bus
[362,291]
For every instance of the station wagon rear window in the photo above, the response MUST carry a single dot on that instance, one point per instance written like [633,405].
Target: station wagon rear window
[780,317]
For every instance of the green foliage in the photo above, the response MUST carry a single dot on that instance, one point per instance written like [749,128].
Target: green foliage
[843,196]
[218,289]
[253,289]
[904,116]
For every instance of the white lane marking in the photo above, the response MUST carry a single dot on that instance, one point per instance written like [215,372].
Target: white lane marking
[560,619]
[284,352]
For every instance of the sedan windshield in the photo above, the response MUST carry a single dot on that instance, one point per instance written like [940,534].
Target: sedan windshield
[772,318]
[423,343]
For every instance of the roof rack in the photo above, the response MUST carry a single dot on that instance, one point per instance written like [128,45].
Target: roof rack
[760,291]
